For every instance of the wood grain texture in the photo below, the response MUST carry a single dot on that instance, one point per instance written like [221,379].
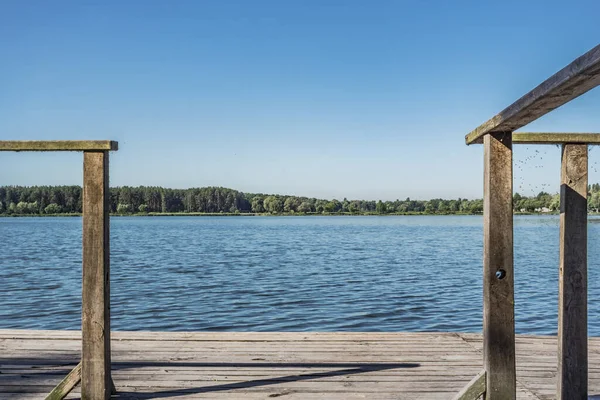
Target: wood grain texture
[474,389]
[572,301]
[264,365]
[66,385]
[570,82]
[58,145]
[498,290]
[555,138]
[96,358]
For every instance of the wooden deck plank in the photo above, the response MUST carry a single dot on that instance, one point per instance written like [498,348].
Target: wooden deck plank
[269,365]
[235,336]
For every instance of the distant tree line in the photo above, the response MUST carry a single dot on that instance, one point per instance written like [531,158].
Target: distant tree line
[144,199]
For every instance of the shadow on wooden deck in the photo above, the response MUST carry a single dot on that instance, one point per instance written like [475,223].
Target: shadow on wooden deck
[349,369]
[40,369]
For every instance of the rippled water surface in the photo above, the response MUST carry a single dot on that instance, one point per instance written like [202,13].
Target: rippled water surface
[406,273]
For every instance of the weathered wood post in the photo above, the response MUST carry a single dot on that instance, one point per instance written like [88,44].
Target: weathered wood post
[572,298]
[95,323]
[498,278]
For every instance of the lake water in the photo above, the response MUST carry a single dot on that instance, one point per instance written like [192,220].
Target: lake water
[405,273]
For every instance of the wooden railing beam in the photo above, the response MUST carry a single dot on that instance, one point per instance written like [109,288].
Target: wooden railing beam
[555,138]
[58,145]
[570,82]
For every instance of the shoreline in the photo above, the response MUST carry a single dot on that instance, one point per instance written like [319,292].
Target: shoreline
[195,214]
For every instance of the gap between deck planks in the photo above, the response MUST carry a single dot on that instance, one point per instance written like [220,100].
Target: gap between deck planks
[288,365]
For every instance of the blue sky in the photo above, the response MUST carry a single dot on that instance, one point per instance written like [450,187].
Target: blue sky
[367,99]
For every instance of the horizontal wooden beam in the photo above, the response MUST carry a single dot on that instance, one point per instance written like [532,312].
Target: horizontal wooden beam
[58,145]
[555,138]
[570,82]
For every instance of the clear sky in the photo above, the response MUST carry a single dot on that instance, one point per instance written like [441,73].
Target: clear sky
[356,99]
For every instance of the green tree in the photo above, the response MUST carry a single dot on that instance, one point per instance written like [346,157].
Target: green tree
[594,202]
[143,208]
[528,204]
[257,204]
[431,206]
[454,205]
[353,206]
[380,208]
[517,197]
[390,206]
[36,199]
[189,201]
[443,206]
[345,205]
[476,206]
[464,206]
[291,204]
[305,207]
[320,206]
[332,206]
[52,208]
[337,205]
[124,208]
[125,195]
[273,205]
[544,199]
[402,207]
[24,207]
[555,204]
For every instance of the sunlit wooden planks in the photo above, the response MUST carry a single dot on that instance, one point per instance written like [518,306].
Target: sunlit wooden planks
[291,365]
[570,82]
[58,145]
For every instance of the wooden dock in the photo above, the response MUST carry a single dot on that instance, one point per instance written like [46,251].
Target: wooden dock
[291,366]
